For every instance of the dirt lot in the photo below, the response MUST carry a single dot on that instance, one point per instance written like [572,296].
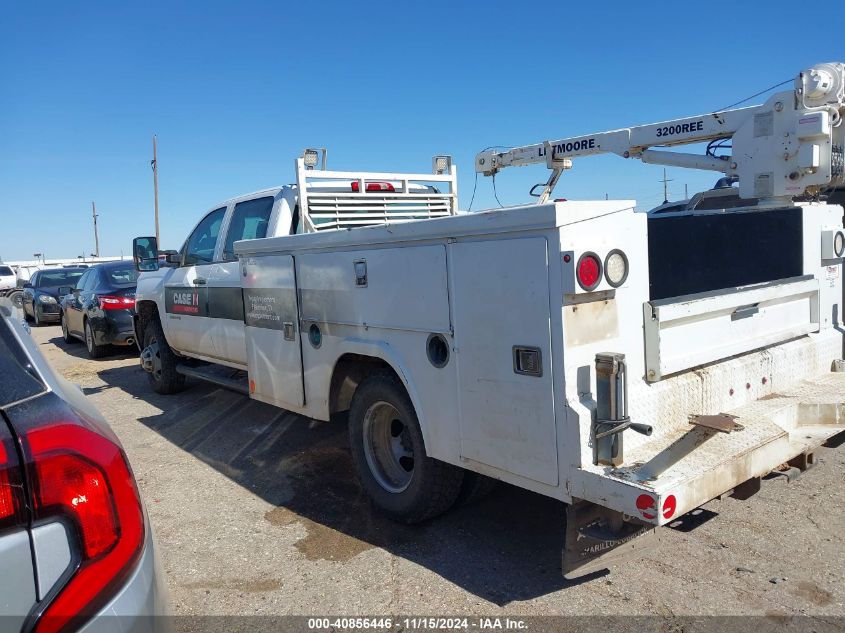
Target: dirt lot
[257,511]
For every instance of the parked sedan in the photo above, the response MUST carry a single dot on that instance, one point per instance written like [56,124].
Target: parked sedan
[40,300]
[99,309]
[76,550]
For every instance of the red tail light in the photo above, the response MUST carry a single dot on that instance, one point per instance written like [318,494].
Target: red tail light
[588,271]
[11,506]
[82,476]
[115,302]
[373,186]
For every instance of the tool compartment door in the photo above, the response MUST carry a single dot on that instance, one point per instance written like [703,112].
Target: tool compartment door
[500,298]
[691,331]
[274,358]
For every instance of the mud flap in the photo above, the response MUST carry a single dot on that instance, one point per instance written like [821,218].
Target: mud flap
[597,538]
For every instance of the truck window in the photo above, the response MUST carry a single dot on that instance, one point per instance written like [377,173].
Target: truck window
[249,222]
[199,247]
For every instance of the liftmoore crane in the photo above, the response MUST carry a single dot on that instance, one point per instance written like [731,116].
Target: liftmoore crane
[791,146]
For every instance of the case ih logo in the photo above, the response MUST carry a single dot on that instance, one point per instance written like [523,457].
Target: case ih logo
[186,302]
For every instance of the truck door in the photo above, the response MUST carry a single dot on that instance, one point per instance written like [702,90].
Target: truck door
[272,331]
[500,301]
[249,220]
[187,325]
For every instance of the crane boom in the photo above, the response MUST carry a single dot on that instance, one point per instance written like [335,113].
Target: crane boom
[791,145]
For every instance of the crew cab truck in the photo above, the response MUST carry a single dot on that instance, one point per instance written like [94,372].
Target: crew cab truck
[634,368]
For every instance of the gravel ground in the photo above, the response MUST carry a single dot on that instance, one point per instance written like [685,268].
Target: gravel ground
[257,511]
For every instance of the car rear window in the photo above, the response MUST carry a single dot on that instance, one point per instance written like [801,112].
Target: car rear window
[5,270]
[122,276]
[16,374]
[50,278]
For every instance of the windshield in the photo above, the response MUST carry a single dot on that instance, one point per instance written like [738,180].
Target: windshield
[122,275]
[5,271]
[52,278]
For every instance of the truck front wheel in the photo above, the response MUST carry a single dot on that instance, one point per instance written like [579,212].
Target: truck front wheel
[159,361]
[389,454]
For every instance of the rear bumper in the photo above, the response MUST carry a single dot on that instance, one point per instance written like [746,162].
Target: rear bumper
[114,327]
[683,466]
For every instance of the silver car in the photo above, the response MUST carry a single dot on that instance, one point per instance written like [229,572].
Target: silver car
[76,550]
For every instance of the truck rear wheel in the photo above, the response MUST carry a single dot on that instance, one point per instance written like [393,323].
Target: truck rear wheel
[159,361]
[389,454]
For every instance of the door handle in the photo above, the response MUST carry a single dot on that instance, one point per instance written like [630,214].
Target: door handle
[199,281]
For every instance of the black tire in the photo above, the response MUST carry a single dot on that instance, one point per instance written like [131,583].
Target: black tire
[66,335]
[17,299]
[167,380]
[94,351]
[432,486]
[474,488]
[36,322]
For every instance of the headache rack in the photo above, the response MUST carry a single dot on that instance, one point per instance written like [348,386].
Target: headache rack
[341,199]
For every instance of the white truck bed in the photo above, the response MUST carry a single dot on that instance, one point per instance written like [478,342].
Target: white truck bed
[498,279]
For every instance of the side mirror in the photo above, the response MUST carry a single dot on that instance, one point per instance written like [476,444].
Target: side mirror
[65,290]
[27,284]
[173,258]
[145,254]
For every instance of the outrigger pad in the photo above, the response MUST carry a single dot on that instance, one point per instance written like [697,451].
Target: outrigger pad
[597,537]
[723,422]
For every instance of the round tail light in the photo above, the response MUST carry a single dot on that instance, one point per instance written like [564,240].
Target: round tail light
[616,268]
[588,271]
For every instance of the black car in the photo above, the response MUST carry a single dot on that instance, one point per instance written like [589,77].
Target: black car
[99,309]
[41,294]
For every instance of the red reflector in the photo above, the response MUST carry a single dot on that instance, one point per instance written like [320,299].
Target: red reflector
[83,476]
[114,302]
[670,504]
[588,271]
[373,186]
[647,506]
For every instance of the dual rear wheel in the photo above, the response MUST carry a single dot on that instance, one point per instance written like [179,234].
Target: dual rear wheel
[389,454]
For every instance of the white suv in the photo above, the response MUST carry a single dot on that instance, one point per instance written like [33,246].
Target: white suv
[8,279]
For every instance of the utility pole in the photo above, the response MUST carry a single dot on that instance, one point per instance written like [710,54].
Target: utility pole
[154,165]
[665,182]
[686,191]
[96,237]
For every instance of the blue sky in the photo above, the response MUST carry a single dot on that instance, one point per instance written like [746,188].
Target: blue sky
[235,90]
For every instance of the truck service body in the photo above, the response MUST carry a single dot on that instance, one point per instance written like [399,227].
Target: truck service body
[633,367]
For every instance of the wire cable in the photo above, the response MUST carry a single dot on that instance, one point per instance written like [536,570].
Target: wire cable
[495,193]
[474,187]
[757,94]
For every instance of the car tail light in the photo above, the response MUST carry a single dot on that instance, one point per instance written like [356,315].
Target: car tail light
[81,475]
[588,271]
[11,505]
[116,302]
[616,268]
[373,186]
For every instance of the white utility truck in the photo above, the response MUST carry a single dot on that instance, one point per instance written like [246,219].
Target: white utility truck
[633,367]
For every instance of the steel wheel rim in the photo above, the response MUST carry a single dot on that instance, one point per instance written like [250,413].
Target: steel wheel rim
[17,300]
[156,357]
[89,337]
[388,447]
